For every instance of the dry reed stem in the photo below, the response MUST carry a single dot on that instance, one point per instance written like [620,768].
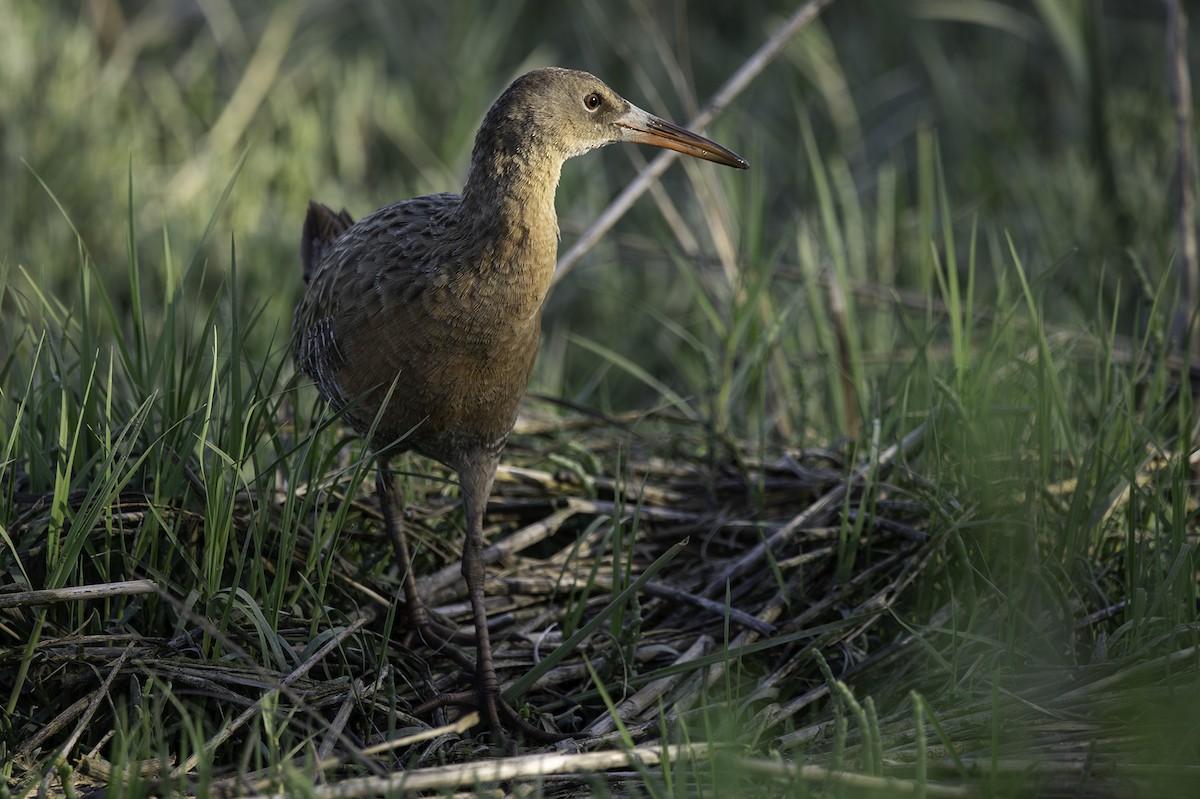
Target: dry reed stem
[888,786]
[749,70]
[1184,328]
[499,770]
[76,593]
[637,704]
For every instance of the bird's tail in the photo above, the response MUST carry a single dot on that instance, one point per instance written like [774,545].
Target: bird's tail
[322,227]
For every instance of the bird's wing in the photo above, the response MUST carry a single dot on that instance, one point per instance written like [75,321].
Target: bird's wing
[361,319]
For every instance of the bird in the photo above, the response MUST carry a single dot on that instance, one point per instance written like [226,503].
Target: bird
[421,322]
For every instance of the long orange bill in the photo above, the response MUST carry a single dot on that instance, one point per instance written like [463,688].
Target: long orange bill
[638,126]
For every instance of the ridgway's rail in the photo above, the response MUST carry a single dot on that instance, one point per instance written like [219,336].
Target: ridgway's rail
[421,321]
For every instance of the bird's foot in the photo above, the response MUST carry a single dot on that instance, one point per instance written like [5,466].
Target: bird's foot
[500,715]
[511,719]
[437,634]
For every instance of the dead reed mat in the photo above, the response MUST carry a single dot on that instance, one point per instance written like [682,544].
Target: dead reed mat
[642,563]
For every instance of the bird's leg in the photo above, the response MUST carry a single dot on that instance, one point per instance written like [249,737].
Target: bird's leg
[476,480]
[391,505]
[476,476]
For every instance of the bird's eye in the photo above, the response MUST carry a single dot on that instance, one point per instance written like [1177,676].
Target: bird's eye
[593,101]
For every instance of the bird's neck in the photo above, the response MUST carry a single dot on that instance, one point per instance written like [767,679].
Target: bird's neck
[513,189]
[510,196]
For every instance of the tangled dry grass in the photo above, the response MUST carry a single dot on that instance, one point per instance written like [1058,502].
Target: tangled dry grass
[659,580]
[721,602]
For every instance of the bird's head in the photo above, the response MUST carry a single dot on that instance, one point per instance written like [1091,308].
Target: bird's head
[571,112]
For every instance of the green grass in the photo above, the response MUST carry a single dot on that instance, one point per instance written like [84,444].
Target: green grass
[933,318]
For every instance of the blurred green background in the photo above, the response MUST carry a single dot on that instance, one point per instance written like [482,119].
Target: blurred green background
[1051,121]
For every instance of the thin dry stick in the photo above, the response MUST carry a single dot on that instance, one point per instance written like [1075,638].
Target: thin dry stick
[359,689]
[457,727]
[339,721]
[48,596]
[1143,671]
[86,719]
[719,223]
[54,726]
[812,515]
[725,95]
[719,609]
[257,707]
[525,537]
[1181,101]
[888,786]
[545,482]
[779,677]
[645,511]
[635,705]
[96,767]
[768,613]
[440,778]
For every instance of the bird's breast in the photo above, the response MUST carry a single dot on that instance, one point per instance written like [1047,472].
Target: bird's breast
[505,282]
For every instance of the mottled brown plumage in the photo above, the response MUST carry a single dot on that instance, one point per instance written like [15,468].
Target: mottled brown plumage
[437,301]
